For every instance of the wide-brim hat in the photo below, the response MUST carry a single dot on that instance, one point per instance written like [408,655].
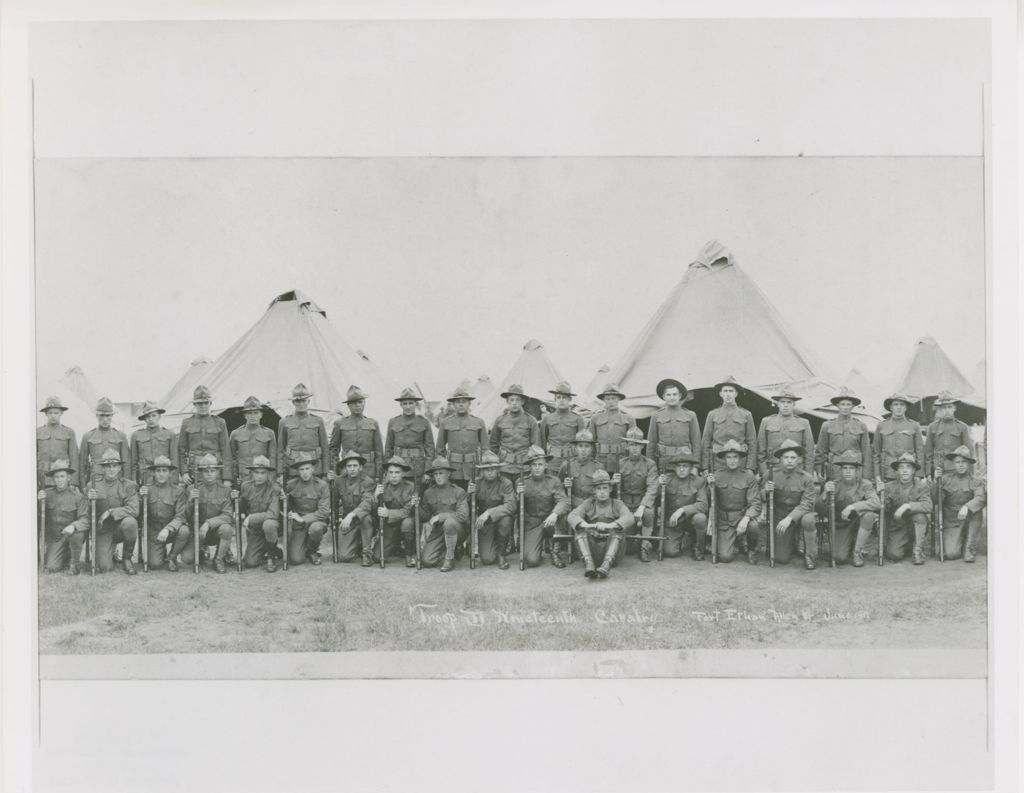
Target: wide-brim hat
[398,462]
[513,390]
[104,407]
[945,398]
[635,435]
[201,394]
[730,381]
[304,459]
[611,389]
[905,458]
[682,458]
[785,393]
[670,381]
[161,462]
[489,460]
[301,392]
[732,446]
[344,457]
[252,404]
[355,394]
[961,451]
[600,477]
[584,436]
[60,465]
[440,464]
[260,463]
[537,453]
[208,461]
[408,395]
[110,457]
[460,393]
[845,393]
[149,409]
[562,388]
[887,402]
[51,404]
[789,446]
[849,457]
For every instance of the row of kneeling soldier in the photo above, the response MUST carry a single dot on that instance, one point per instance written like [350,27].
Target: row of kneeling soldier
[559,487]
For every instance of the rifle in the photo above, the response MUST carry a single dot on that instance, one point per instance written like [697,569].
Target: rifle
[832,528]
[195,516]
[92,536]
[380,530]
[238,533]
[938,522]
[42,532]
[661,527]
[712,522]
[334,519]
[771,516]
[522,525]
[144,547]
[416,528]
[474,537]
[881,526]
[284,523]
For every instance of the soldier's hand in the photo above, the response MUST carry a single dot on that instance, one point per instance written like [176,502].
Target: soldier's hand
[162,535]
[639,514]
[105,515]
[520,487]
[881,486]
[415,501]
[711,478]
[963,513]
[783,525]
[769,486]
[186,480]
[234,494]
[144,491]
[227,482]
[68,530]
[567,482]
[245,522]
[41,495]
[471,488]
[378,490]
[845,514]
[382,512]
[91,494]
[938,472]
[830,487]
[898,513]
[295,516]
[481,521]
[203,530]
[673,520]
[741,527]
[346,523]
[194,493]
[662,480]
[616,479]
[331,476]
[550,521]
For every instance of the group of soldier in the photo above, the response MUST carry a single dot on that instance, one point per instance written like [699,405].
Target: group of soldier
[562,486]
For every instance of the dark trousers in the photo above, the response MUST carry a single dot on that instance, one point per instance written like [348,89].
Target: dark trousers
[492,539]
[694,527]
[357,540]
[261,541]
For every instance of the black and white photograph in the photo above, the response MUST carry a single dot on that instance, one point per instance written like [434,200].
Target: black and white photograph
[503,359]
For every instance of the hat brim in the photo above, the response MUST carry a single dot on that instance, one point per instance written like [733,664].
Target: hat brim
[158,411]
[306,397]
[855,463]
[855,400]
[562,393]
[349,457]
[737,386]
[171,466]
[409,399]
[507,394]
[681,460]
[434,470]
[206,467]
[952,457]
[642,441]
[546,458]
[396,465]
[360,398]
[895,465]
[110,462]
[52,471]
[485,466]
[465,397]
[668,382]
[887,403]
[54,407]
[104,412]
[618,394]
[944,402]
[799,450]
[721,454]
[790,397]
[299,463]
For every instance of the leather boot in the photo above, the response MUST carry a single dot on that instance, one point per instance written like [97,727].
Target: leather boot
[971,546]
[556,557]
[645,551]
[858,547]
[809,563]
[587,557]
[697,551]
[172,563]
[918,545]
[271,565]
[409,544]
[129,568]
[218,565]
[502,561]
[367,559]
[858,557]
[73,568]
[448,565]
[609,557]
[745,546]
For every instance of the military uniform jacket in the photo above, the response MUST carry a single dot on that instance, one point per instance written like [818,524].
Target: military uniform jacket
[149,444]
[839,435]
[167,506]
[410,437]
[246,444]
[312,499]
[943,438]
[725,424]
[915,492]
[360,434]
[795,493]
[94,443]
[674,430]
[639,479]
[611,511]
[55,443]
[609,428]
[512,436]
[200,435]
[355,496]
[446,502]
[215,507]
[691,491]
[498,496]
[736,496]
[957,490]
[544,496]
[558,431]
[860,494]
[260,502]
[64,508]
[582,486]
[121,497]
[462,439]
[774,430]
[894,437]
[398,500]
[305,433]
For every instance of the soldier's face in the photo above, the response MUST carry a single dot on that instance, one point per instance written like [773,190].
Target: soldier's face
[582,451]
[634,449]
[152,421]
[611,401]
[899,409]
[53,416]
[602,492]
[103,420]
[161,475]
[110,471]
[408,406]
[562,401]
[960,464]
[202,408]
[395,475]
[732,460]
[945,412]
[905,472]
[538,467]
[490,474]
[848,472]
[260,475]
[356,408]
[60,479]
[441,477]
[786,407]
[683,470]
[461,406]
[252,417]
[210,475]
[514,402]
[301,405]
[728,394]
[306,472]
[789,460]
[845,406]
[353,468]
[671,395]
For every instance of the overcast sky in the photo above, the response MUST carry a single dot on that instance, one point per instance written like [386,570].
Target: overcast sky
[187,173]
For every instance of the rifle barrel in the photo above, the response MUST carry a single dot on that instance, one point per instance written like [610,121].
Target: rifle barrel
[771,516]
[42,532]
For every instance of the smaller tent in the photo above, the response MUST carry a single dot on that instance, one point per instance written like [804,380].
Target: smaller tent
[535,372]
[80,385]
[930,370]
[190,378]
[597,382]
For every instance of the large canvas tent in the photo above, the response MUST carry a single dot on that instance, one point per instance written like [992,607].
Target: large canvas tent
[535,372]
[930,370]
[181,391]
[713,324]
[293,342]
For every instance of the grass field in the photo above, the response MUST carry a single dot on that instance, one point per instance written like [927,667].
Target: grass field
[674,604]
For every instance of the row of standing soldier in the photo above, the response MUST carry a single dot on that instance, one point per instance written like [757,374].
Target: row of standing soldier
[572,454]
